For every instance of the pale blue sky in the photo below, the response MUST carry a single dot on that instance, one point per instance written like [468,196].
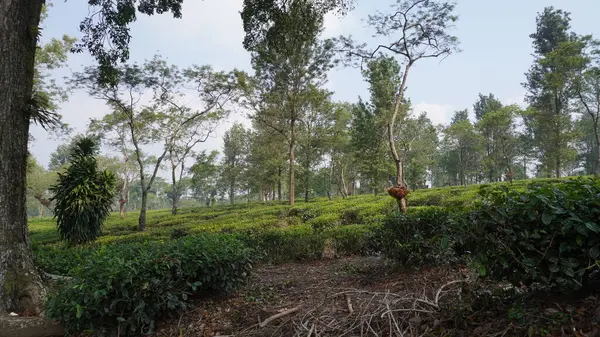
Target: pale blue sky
[494,35]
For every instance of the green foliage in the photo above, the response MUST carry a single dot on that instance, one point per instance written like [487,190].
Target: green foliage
[83,195]
[558,55]
[548,233]
[423,235]
[128,286]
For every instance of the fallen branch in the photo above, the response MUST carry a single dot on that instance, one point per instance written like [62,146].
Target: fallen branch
[349,303]
[281,314]
[57,277]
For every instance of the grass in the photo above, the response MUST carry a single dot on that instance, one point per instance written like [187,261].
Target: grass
[282,233]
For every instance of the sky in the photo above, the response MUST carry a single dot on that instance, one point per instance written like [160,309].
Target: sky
[494,39]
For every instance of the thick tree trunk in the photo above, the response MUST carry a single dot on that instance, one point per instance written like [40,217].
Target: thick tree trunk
[21,286]
[143,208]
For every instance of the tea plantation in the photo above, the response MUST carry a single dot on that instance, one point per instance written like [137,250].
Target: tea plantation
[543,231]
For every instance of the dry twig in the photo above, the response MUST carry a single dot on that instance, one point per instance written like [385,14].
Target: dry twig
[281,314]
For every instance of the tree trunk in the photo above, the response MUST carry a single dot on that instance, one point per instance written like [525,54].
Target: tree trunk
[21,286]
[597,135]
[143,208]
[391,140]
[232,191]
[279,196]
[307,173]
[291,175]
[343,183]
[123,197]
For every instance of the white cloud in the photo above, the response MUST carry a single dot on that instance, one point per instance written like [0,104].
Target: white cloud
[438,113]
[518,99]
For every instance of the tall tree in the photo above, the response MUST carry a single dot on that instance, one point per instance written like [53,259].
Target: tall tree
[587,99]
[288,59]
[313,131]
[417,29]
[116,135]
[163,120]
[417,137]
[235,153]
[501,124]
[106,36]
[21,286]
[205,173]
[368,146]
[266,162]
[464,146]
[558,56]
[144,124]
[485,104]
[342,167]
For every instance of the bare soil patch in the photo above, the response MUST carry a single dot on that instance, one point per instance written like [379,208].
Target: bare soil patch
[366,296]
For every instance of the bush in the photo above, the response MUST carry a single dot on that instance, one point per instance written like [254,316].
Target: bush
[351,217]
[129,285]
[325,220]
[422,235]
[83,195]
[547,233]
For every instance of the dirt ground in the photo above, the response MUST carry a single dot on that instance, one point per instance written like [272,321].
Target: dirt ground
[359,296]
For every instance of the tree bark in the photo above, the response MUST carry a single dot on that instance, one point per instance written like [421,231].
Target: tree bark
[597,135]
[279,196]
[174,189]
[123,197]
[143,208]
[21,286]
[292,150]
[392,143]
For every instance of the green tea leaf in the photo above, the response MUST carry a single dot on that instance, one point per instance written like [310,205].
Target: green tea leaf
[547,218]
[594,252]
[593,226]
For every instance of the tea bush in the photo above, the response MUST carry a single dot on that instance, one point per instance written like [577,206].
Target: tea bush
[423,235]
[546,233]
[128,286]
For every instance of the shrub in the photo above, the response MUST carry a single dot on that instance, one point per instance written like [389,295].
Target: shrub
[351,217]
[178,233]
[83,195]
[354,240]
[547,233]
[128,286]
[324,220]
[422,235]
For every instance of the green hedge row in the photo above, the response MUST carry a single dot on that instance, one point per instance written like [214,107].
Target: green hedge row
[546,232]
[127,286]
